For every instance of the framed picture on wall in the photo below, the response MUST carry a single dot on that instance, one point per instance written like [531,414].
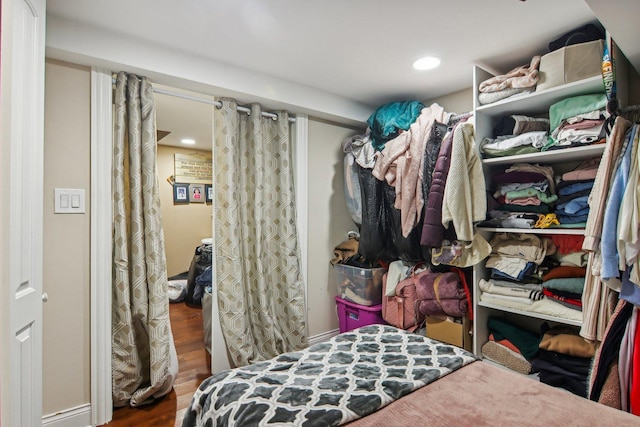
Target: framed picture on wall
[196,193]
[180,193]
[208,189]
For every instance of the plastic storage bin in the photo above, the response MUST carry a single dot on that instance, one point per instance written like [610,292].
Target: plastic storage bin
[360,285]
[352,316]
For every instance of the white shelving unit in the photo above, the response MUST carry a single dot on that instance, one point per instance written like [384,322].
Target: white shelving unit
[535,104]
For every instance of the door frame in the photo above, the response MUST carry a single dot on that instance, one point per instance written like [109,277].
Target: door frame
[101,244]
[101,234]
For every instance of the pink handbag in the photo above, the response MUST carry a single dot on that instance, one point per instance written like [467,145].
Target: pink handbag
[402,309]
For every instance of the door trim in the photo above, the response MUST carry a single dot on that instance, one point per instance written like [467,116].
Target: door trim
[302,201]
[101,229]
[72,417]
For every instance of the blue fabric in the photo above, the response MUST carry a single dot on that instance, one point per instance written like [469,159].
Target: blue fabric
[608,242]
[574,188]
[202,280]
[390,118]
[571,219]
[629,291]
[582,212]
[573,206]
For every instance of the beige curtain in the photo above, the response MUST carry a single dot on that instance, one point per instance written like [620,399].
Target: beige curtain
[258,276]
[143,363]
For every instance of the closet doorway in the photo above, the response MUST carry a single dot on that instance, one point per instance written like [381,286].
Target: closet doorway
[185,131]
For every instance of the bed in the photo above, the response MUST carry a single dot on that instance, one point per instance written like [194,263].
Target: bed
[379,375]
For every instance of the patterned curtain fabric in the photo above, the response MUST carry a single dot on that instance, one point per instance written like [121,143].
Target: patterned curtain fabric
[143,353]
[258,276]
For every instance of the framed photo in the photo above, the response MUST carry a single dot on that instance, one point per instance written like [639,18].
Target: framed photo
[196,193]
[180,193]
[208,189]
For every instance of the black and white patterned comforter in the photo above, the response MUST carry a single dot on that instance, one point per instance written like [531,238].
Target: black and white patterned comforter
[328,384]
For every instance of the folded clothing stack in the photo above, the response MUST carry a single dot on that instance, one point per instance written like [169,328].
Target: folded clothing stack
[574,187]
[517,256]
[577,121]
[564,359]
[564,283]
[519,80]
[516,134]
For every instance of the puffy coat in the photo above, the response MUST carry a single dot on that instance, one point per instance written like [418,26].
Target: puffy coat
[432,229]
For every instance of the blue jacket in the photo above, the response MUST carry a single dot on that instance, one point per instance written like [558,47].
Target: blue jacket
[609,240]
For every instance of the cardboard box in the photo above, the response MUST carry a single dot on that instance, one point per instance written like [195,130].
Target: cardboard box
[570,64]
[450,332]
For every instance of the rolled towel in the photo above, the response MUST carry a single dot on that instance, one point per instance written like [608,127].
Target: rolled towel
[506,357]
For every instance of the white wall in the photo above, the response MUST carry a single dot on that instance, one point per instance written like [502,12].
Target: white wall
[456,102]
[329,220]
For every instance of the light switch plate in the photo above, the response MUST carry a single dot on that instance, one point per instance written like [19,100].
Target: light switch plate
[69,200]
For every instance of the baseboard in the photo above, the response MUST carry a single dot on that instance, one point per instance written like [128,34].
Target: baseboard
[323,336]
[80,416]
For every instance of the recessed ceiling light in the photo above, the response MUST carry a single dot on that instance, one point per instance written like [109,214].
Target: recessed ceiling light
[426,63]
[188,141]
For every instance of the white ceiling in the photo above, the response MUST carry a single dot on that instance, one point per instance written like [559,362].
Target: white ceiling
[358,49]
[184,118]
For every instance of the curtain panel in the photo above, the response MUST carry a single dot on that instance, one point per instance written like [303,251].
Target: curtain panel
[258,275]
[144,363]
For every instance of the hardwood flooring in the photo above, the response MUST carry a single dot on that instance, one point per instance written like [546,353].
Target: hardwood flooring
[195,366]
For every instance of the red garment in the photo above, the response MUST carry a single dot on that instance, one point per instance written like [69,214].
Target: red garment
[634,387]
[568,243]
[564,271]
[550,294]
[505,342]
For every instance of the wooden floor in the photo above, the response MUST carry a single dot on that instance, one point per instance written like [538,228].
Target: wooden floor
[186,324]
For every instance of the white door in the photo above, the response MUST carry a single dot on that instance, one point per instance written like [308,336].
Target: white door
[21,170]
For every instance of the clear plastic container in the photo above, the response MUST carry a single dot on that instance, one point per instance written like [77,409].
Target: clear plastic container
[360,285]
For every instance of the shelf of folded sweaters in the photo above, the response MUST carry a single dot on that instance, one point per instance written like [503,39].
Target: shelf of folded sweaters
[558,155]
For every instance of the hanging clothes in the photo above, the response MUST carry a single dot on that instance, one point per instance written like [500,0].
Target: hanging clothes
[597,297]
[400,164]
